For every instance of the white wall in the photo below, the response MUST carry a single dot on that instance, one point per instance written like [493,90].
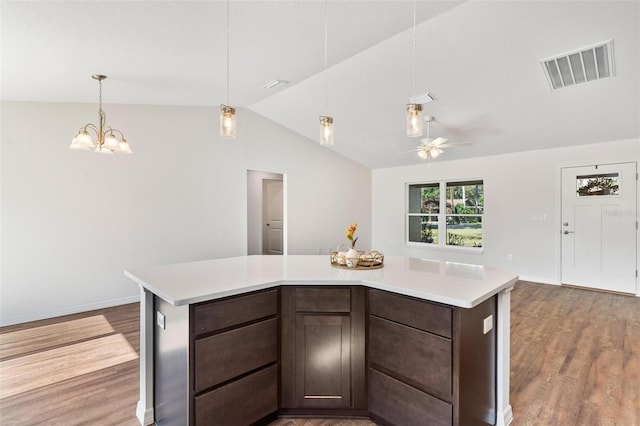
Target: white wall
[520,189]
[73,221]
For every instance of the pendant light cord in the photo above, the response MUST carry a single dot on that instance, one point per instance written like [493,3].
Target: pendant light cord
[414,48]
[326,83]
[227,52]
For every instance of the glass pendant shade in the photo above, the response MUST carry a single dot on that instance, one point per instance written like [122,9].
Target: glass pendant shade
[123,146]
[82,141]
[326,131]
[101,149]
[435,152]
[415,124]
[77,145]
[111,143]
[423,153]
[227,122]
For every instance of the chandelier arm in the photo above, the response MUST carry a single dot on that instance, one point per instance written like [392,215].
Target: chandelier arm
[89,126]
[111,130]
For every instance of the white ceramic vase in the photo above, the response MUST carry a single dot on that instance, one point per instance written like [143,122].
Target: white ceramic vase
[352,258]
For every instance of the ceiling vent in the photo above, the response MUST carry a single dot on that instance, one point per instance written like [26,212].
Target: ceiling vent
[579,66]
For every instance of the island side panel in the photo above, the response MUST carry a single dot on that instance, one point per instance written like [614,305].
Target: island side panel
[171,350]
[476,359]
[504,411]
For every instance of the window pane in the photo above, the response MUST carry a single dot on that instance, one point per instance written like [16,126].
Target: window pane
[599,184]
[465,231]
[465,197]
[424,198]
[423,229]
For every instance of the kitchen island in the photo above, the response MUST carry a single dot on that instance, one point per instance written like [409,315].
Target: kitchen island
[311,339]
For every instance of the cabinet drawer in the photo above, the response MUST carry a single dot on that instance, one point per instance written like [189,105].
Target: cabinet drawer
[221,314]
[226,355]
[400,404]
[242,402]
[415,313]
[423,358]
[323,300]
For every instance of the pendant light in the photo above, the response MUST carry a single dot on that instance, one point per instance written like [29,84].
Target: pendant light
[326,122]
[227,113]
[106,140]
[415,124]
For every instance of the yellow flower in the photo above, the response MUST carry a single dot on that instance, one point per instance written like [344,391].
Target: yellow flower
[350,231]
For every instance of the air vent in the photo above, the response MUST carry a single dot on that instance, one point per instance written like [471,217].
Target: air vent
[579,66]
[422,98]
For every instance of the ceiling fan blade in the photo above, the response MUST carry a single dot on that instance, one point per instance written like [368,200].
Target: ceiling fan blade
[454,144]
[426,141]
[407,152]
[438,141]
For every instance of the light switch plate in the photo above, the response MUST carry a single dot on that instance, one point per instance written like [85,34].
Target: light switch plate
[488,324]
[160,319]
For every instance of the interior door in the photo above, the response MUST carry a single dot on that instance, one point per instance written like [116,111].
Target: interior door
[272,216]
[599,227]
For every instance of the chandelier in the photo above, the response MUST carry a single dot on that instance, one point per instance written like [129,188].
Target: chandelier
[106,140]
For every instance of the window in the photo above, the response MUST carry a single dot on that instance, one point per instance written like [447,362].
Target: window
[601,184]
[445,213]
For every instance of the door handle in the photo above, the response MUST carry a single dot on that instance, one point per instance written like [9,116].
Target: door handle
[567,232]
[267,224]
[565,224]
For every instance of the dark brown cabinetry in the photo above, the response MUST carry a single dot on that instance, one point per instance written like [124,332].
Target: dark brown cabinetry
[234,351]
[323,349]
[430,362]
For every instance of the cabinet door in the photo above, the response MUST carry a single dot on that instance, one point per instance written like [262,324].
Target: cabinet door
[322,360]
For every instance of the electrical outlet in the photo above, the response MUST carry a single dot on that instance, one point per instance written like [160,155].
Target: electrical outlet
[487,325]
[160,320]
[319,250]
[510,257]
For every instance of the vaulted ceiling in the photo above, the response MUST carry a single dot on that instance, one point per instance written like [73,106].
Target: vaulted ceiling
[480,59]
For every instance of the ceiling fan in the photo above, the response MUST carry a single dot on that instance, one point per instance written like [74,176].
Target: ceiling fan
[432,147]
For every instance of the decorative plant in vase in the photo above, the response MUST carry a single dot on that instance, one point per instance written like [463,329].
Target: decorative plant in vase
[352,254]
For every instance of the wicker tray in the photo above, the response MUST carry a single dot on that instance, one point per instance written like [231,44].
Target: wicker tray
[371,259]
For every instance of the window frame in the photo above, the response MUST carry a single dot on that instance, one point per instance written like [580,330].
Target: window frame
[441,215]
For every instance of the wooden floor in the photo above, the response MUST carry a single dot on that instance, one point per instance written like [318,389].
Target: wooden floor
[575,357]
[575,360]
[73,370]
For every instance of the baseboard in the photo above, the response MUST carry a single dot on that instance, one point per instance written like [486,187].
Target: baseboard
[507,417]
[144,415]
[538,280]
[35,316]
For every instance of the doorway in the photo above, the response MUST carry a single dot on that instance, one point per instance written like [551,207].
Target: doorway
[599,227]
[266,213]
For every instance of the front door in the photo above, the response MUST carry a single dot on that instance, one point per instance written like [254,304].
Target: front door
[599,227]
[272,216]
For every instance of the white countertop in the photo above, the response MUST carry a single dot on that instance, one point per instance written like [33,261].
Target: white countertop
[456,284]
